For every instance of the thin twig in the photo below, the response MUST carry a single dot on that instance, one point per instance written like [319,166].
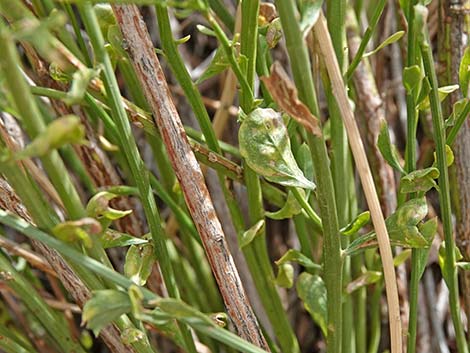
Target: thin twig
[188,172]
[328,54]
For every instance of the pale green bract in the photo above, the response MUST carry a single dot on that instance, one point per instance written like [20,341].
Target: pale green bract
[265,145]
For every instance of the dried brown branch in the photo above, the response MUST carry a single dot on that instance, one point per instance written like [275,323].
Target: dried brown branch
[328,54]
[188,172]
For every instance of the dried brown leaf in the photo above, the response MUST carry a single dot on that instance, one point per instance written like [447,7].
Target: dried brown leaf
[283,90]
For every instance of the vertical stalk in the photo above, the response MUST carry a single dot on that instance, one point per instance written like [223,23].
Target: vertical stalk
[444,193]
[257,254]
[300,64]
[136,165]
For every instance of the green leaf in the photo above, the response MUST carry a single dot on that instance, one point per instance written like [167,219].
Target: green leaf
[296,256]
[114,239]
[207,31]
[104,307]
[369,277]
[449,156]
[412,77]
[64,130]
[80,81]
[360,221]
[218,64]
[285,276]
[304,157]
[98,207]
[428,230]
[464,72]
[139,263]
[387,149]
[105,15]
[423,93]
[443,93]
[402,225]
[290,208]
[401,257]
[419,180]
[457,109]
[392,39]
[265,145]
[445,266]
[309,13]
[312,291]
[248,236]
[79,230]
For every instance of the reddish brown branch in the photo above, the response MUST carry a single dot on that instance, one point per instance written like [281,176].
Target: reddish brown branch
[188,172]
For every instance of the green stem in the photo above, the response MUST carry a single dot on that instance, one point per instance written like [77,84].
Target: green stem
[444,193]
[301,69]
[410,165]
[379,7]
[139,173]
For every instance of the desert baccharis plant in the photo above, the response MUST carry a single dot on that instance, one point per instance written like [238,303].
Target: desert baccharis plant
[221,176]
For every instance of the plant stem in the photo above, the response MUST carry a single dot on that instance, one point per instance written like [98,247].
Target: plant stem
[136,165]
[444,193]
[300,65]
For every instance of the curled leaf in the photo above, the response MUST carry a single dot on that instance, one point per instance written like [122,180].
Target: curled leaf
[293,255]
[98,207]
[419,180]
[248,236]
[265,145]
[284,93]
[78,230]
[290,208]
[64,130]
[387,149]
[391,39]
[360,221]
[285,276]
[464,72]
[139,263]
[113,239]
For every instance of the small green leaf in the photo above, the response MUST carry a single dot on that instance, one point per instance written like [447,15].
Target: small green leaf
[218,64]
[296,256]
[312,291]
[412,77]
[285,276]
[457,109]
[98,207]
[105,15]
[402,225]
[419,180]
[423,94]
[104,307]
[80,81]
[369,277]
[139,263]
[309,13]
[360,221]
[401,257]
[290,208]
[443,93]
[445,268]
[114,239]
[392,39]
[464,72]
[265,145]
[387,149]
[78,230]
[206,31]
[248,236]
[449,156]
[64,130]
